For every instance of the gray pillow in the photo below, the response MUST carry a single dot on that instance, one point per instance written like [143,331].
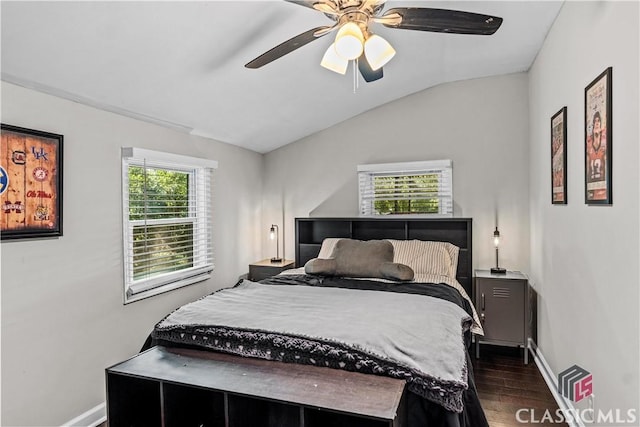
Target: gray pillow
[321,266]
[396,271]
[355,258]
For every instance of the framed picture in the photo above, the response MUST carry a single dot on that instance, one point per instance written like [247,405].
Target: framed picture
[559,157]
[598,140]
[30,183]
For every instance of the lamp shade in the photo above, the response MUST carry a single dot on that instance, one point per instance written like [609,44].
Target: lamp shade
[378,51]
[349,41]
[272,233]
[334,62]
[496,237]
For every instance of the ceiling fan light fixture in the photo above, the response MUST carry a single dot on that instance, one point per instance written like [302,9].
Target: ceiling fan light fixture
[349,41]
[378,51]
[355,42]
[334,62]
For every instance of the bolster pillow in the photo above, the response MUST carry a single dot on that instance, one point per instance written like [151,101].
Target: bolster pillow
[356,258]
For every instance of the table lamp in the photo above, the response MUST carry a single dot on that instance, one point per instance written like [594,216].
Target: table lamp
[496,242]
[273,234]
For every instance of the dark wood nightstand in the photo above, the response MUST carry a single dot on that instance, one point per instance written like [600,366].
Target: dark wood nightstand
[503,304]
[262,269]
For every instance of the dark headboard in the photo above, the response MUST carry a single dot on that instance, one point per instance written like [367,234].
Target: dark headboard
[310,232]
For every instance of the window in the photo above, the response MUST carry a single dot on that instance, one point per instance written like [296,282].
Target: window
[166,221]
[411,188]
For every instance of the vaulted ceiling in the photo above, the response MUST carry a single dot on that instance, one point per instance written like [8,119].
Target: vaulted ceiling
[181,64]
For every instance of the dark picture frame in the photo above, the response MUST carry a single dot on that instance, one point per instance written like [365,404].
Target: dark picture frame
[559,157]
[598,125]
[30,183]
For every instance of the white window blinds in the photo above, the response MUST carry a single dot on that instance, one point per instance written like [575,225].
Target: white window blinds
[166,221]
[410,188]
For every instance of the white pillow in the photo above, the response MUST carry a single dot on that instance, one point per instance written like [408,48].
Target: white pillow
[327,247]
[427,257]
[453,253]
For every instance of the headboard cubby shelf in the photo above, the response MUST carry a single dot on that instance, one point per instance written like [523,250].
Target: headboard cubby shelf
[310,232]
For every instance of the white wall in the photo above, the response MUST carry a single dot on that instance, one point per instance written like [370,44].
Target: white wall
[63,320]
[585,259]
[482,125]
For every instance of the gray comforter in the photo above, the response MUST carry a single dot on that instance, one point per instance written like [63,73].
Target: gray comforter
[416,337]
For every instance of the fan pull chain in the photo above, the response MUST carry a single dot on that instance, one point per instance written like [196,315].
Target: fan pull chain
[355,75]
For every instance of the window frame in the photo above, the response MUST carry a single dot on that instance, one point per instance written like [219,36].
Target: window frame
[200,198]
[440,167]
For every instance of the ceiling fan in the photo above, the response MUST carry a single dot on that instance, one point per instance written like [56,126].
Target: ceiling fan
[355,41]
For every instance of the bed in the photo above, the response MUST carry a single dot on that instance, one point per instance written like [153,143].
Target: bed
[369,325]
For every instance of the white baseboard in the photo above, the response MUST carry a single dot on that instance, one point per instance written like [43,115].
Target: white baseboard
[92,418]
[550,378]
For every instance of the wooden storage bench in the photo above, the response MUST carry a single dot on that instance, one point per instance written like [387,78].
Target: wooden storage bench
[182,387]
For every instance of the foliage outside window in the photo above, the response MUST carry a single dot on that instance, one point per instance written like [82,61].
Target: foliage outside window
[167,221]
[412,188]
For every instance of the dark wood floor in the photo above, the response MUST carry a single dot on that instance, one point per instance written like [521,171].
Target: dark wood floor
[505,385]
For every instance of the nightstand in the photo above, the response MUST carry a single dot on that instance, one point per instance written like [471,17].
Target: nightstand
[503,304]
[262,269]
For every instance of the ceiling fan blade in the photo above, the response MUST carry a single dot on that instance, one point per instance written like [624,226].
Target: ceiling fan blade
[329,9]
[368,74]
[304,3]
[289,46]
[441,21]
[320,5]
